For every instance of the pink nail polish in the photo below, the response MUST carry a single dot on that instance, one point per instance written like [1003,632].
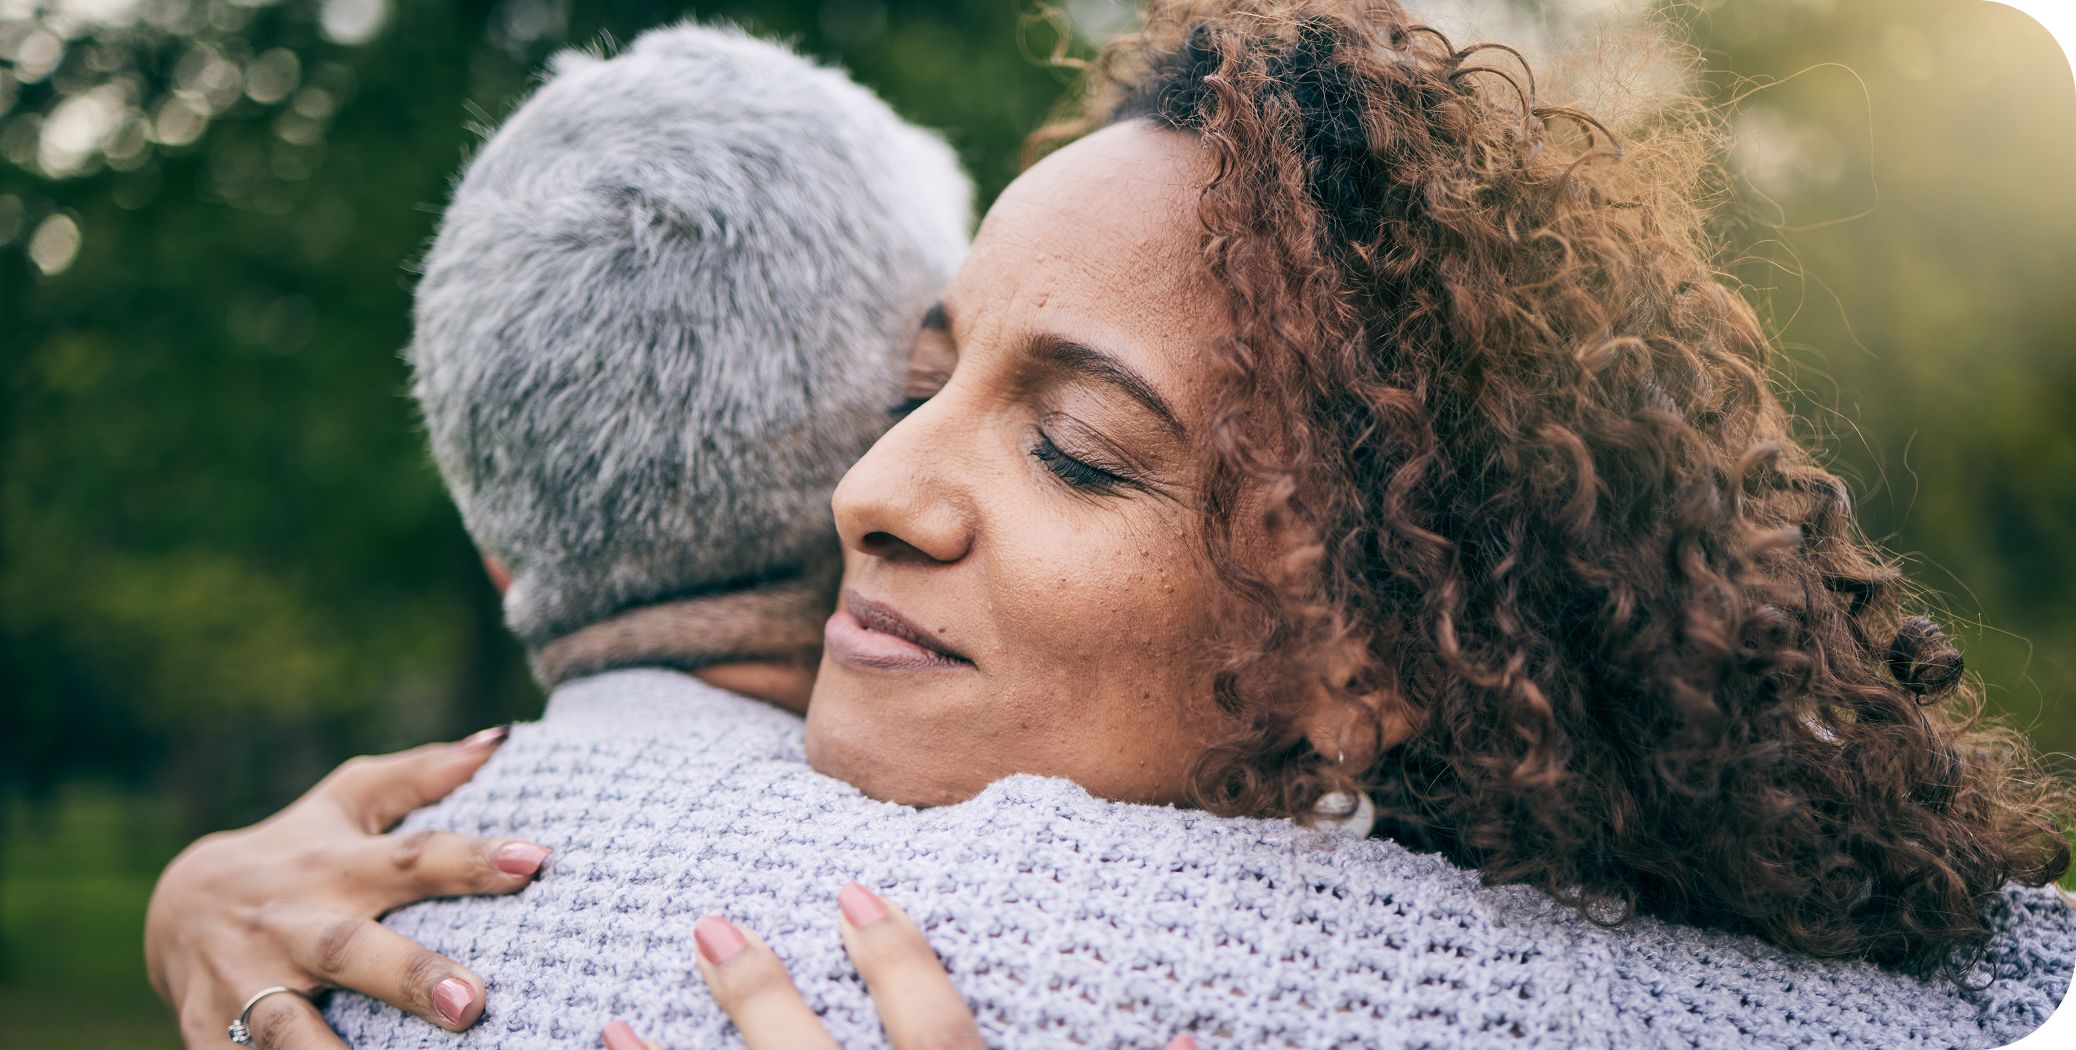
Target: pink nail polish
[520,858]
[1185,1041]
[718,939]
[860,905]
[483,740]
[620,1036]
[451,998]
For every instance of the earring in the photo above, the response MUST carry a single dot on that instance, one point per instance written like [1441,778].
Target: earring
[1350,813]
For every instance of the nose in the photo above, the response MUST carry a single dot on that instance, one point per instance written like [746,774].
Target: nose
[908,499]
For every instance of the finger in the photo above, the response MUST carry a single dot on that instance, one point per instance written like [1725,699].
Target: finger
[917,1002]
[361,954]
[753,989]
[375,791]
[620,1036]
[288,1022]
[390,871]
[1185,1041]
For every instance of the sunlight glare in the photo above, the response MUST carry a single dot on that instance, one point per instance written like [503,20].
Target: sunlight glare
[2058,17]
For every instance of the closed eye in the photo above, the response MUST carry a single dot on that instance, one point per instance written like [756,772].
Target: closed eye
[1074,472]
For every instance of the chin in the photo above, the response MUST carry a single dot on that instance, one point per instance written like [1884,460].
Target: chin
[884,765]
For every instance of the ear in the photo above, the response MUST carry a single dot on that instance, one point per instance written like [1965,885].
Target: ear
[1354,734]
[499,578]
[1348,736]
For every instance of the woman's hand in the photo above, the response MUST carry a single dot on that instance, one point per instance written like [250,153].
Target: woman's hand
[293,901]
[917,1003]
[916,1000]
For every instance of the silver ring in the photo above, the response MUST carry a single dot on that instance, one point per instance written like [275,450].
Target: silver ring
[241,1029]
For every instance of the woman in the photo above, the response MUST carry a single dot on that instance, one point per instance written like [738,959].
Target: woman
[1345,420]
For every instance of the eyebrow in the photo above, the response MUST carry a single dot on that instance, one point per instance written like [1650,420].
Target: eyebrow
[1095,364]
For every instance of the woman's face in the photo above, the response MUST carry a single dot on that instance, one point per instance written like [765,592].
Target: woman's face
[1033,522]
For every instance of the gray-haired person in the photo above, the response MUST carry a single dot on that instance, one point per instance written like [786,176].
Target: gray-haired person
[666,309]
[662,314]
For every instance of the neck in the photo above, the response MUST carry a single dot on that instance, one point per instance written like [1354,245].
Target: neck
[763,643]
[785,685]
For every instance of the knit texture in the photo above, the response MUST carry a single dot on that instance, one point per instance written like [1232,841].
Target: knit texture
[1071,921]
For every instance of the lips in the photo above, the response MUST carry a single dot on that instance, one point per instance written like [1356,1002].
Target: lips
[866,633]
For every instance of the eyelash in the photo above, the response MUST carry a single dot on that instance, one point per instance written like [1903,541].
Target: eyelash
[1073,471]
[1063,466]
[900,409]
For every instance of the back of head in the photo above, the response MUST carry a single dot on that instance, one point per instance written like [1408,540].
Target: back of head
[666,310]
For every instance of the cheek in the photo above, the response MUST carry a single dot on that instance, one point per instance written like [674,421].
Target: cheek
[1083,604]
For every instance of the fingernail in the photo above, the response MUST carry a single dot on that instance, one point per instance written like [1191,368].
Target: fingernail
[451,998]
[718,939]
[620,1036]
[860,905]
[1185,1041]
[520,858]
[483,740]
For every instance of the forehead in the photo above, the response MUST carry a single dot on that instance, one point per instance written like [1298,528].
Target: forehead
[1116,206]
[1100,241]
[1131,177]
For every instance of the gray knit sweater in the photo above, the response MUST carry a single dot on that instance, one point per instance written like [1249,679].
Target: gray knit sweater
[1070,921]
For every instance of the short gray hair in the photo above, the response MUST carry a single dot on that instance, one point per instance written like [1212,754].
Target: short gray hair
[666,310]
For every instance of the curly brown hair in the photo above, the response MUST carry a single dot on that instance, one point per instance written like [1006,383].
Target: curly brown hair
[1540,499]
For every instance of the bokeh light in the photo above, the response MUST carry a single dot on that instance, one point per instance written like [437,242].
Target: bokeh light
[54,244]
